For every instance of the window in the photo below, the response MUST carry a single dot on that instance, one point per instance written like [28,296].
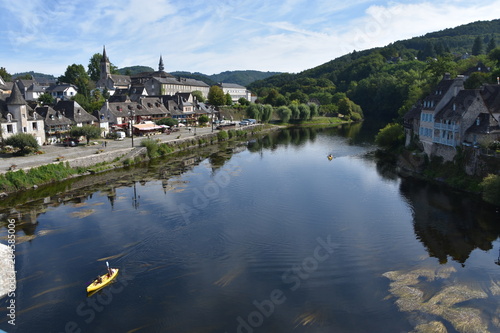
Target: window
[10,129]
[35,126]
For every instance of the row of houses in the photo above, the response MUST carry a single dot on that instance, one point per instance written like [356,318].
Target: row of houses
[134,100]
[50,124]
[452,116]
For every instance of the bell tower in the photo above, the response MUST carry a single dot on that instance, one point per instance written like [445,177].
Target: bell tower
[105,65]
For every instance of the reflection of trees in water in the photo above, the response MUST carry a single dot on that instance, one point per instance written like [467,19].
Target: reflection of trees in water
[448,223]
[285,137]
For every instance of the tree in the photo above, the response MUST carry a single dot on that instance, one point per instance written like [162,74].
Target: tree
[243,101]
[294,107]
[391,136]
[304,111]
[46,99]
[284,113]
[76,74]
[88,131]
[167,121]
[494,55]
[24,142]
[491,189]
[253,111]
[5,75]
[314,110]
[94,67]
[442,65]
[203,119]
[199,96]
[216,96]
[477,47]
[491,45]
[267,113]
[229,99]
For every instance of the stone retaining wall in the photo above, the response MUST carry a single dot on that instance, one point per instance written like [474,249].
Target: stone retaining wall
[6,272]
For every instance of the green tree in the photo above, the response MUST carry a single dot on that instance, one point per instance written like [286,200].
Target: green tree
[24,142]
[314,110]
[88,131]
[267,113]
[391,136]
[203,119]
[491,45]
[243,101]
[5,75]
[199,96]
[304,111]
[46,99]
[229,99]
[216,96]
[494,55]
[253,111]
[491,189]
[442,65]
[167,122]
[284,113]
[76,74]
[477,47]
[94,67]
[294,107]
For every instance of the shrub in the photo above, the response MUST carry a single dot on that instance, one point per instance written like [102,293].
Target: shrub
[390,136]
[25,143]
[151,146]
[491,189]
[222,135]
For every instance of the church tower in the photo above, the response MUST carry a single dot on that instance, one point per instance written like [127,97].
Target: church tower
[160,65]
[105,65]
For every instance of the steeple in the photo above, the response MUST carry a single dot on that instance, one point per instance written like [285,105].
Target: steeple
[160,65]
[104,56]
[16,98]
[105,65]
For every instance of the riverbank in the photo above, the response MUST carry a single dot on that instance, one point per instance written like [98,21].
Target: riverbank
[114,154]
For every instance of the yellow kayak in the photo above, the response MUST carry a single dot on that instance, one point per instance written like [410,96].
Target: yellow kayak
[105,280]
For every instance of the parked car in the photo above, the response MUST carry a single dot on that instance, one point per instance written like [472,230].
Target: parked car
[120,135]
[244,122]
[251,121]
[71,142]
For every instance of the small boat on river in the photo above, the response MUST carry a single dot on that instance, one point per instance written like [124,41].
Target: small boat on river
[103,280]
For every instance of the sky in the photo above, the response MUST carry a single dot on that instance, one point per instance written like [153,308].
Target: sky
[213,36]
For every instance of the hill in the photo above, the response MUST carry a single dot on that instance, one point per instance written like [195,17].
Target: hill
[132,70]
[40,77]
[387,80]
[243,78]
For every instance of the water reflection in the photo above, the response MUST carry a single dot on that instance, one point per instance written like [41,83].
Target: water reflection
[450,224]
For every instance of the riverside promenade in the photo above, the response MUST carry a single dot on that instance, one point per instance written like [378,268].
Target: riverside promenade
[54,152]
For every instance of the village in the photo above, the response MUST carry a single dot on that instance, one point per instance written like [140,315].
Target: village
[135,103]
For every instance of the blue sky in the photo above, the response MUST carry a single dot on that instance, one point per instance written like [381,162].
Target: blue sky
[218,35]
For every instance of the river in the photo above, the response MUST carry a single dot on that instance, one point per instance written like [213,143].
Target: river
[266,237]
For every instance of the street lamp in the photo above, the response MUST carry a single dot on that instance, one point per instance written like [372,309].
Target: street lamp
[132,114]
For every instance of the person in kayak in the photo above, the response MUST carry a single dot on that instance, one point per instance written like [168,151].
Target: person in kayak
[98,280]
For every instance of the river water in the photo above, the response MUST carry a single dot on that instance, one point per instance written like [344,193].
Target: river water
[267,237]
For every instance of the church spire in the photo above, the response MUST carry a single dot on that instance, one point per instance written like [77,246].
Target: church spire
[160,65]
[104,56]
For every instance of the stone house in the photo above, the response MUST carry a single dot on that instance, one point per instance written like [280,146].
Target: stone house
[62,91]
[119,113]
[18,117]
[56,125]
[452,116]
[73,111]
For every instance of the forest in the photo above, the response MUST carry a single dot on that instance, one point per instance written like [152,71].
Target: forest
[385,82]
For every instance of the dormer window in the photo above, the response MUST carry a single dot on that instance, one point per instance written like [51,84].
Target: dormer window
[9,117]
[454,107]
